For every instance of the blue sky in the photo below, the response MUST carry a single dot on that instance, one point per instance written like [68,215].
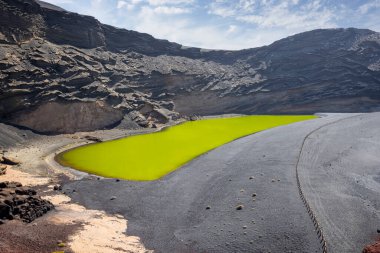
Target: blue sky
[228,24]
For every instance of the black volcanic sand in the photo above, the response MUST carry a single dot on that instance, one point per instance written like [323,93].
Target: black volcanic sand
[195,208]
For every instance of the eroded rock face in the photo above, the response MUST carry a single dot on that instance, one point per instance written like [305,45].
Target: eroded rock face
[55,117]
[50,55]
[20,21]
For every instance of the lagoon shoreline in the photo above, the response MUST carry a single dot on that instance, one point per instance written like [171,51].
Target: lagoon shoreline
[198,201]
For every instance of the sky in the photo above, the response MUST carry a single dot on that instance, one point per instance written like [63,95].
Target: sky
[228,24]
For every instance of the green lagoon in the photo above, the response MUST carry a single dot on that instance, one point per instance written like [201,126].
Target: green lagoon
[154,155]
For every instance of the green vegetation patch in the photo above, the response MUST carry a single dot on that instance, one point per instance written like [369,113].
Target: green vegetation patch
[151,156]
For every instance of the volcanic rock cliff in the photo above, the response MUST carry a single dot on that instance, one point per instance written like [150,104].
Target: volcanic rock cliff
[64,72]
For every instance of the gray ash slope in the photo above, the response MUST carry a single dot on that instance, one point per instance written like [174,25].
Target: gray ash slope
[54,62]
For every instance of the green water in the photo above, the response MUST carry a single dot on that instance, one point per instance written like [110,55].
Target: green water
[154,155]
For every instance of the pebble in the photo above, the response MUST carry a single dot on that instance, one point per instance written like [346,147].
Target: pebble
[57,187]
[239,207]
[61,245]
[254,194]
[113,198]
[208,207]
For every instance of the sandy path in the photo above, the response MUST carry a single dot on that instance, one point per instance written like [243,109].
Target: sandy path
[339,169]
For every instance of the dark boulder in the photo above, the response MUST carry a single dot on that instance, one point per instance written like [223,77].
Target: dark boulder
[20,202]
[5,211]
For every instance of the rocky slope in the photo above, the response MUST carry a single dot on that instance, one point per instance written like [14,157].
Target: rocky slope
[65,72]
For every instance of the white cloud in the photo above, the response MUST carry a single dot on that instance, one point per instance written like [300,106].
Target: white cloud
[121,4]
[232,28]
[282,18]
[246,5]
[170,10]
[221,11]
[365,8]
[234,24]
[57,2]
[128,5]
[184,31]
[171,2]
[281,14]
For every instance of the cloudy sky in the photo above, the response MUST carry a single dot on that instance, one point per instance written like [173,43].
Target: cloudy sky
[228,24]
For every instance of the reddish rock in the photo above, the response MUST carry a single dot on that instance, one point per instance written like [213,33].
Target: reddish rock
[373,248]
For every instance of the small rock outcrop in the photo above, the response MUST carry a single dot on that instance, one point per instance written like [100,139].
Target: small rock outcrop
[92,138]
[55,117]
[5,161]
[19,202]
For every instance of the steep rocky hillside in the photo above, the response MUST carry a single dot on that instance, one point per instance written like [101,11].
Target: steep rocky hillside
[65,72]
